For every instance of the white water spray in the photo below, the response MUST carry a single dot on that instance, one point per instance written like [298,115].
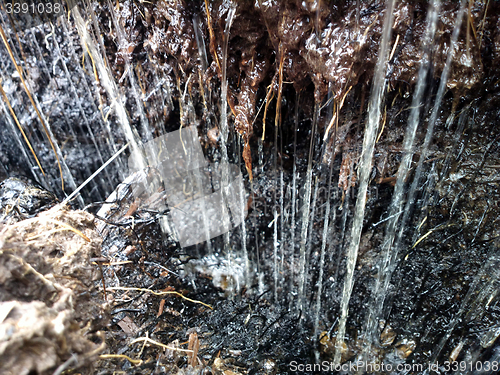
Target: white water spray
[306,207]
[111,88]
[389,253]
[374,116]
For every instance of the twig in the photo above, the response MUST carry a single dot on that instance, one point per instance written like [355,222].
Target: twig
[162,293]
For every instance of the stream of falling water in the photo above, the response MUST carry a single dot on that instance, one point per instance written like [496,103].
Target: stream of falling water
[224,133]
[109,140]
[294,196]
[111,88]
[374,117]
[134,87]
[306,207]
[388,252]
[432,121]
[85,118]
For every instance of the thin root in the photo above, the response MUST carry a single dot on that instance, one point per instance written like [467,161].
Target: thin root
[162,293]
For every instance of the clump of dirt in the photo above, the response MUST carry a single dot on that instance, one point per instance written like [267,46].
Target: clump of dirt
[21,199]
[51,312]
